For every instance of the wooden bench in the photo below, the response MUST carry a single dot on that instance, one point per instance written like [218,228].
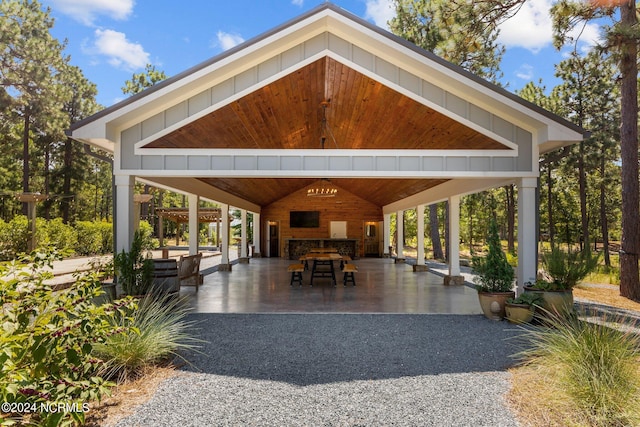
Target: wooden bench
[305,261]
[296,273]
[349,270]
[345,260]
[189,270]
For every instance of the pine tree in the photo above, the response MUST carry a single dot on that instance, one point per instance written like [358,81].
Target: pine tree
[494,273]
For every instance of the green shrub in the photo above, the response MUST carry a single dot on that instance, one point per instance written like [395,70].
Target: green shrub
[55,233]
[493,272]
[13,237]
[157,331]
[47,340]
[146,232]
[566,269]
[89,240]
[593,365]
[86,238]
[106,231]
[134,268]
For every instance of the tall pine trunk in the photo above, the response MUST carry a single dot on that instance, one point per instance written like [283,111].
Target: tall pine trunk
[47,179]
[25,159]
[65,205]
[604,223]
[629,281]
[446,231]
[582,183]
[434,232]
[552,231]
[511,218]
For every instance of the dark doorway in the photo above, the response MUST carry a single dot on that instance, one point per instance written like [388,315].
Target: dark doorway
[274,242]
[371,239]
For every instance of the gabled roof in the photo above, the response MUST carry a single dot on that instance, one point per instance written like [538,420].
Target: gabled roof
[268,95]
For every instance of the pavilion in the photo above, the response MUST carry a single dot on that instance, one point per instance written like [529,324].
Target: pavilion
[328,102]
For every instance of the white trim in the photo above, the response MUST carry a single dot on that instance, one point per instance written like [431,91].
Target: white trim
[317,152]
[426,102]
[454,236]
[420,234]
[139,146]
[374,174]
[194,230]
[355,34]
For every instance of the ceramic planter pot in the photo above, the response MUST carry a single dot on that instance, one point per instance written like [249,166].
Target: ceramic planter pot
[555,302]
[519,313]
[493,303]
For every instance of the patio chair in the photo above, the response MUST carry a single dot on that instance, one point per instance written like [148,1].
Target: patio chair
[189,270]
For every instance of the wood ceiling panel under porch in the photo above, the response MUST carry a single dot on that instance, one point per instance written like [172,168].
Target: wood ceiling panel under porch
[265,191]
[362,113]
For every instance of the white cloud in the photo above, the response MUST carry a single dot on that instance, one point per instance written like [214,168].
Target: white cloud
[380,12]
[530,28]
[121,53]
[589,35]
[228,40]
[86,11]
[525,72]
[297,2]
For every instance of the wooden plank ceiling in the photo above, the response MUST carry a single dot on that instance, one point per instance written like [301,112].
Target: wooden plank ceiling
[361,113]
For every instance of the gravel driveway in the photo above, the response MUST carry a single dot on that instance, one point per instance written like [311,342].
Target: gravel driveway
[339,370]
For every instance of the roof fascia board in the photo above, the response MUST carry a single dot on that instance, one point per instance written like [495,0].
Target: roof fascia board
[424,101]
[375,40]
[192,81]
[320,174]
[194,117]
[459,82]
[139,146]
[328,153]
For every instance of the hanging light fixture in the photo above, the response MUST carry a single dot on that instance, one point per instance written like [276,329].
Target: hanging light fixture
[326,188]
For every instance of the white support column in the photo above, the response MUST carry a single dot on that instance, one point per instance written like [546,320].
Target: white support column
[527,238]
[454,277]
[125,220]
[386,233]
[400,233]
[256,236]
[194,229]
[224,238]
[420,265]
[242,256]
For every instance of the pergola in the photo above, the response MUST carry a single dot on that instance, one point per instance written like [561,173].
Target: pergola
[181,216]
[408,129]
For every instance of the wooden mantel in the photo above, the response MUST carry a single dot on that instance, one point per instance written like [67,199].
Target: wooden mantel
[294,248]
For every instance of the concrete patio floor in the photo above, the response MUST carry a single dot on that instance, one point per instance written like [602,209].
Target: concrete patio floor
[262,286]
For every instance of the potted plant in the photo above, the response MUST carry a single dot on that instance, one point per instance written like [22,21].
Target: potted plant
[562,271]
[494,277]
[134,269]
[523,308]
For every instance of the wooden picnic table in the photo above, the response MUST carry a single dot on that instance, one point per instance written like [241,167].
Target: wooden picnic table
[323,250]
[323,265]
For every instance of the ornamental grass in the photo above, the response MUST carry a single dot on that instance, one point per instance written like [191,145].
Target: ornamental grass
[157,331]
[588,372]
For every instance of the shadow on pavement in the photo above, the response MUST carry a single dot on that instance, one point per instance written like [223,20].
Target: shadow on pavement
[305,349]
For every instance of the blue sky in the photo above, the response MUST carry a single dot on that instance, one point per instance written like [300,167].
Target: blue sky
[112,39]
